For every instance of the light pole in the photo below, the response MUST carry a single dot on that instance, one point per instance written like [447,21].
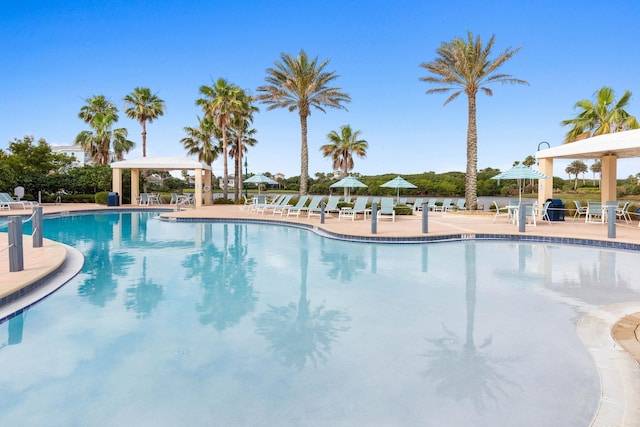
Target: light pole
[548,146]
[245,177]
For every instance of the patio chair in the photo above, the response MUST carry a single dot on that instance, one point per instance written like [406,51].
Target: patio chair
[402,201]
[331,206]
[258,202]
[530,213]
[360,206]
[386,209]
[500,210]
[594,213]
[580,210]
[544,215]
[417,205]
[297,208]
[623,212]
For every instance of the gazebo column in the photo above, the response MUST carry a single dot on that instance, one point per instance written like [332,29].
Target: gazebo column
[135,186]
[608,189]
[207,191]
[198,192]
[545,186]
[116,181]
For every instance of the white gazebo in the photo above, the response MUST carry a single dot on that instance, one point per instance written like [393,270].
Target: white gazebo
[608,148]
[162,163]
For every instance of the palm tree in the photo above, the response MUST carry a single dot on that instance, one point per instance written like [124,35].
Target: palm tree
[101,115]
[605,116]
[342,147]
[576,168]
[199,141]
[221,102]
[465,67]
[298,83]
[143,106]
[242,135]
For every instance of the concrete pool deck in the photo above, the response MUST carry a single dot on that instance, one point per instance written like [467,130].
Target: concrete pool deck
[619,405]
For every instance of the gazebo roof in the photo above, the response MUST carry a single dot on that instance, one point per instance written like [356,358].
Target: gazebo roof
[160,163]
[620,144]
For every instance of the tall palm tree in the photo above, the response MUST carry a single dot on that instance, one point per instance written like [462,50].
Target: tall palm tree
[465,67]
[101,115]
[221,102]
[200,141]
[240,126]
[596,168]
[342,148]
[605,116]
[298,83]
[143,106]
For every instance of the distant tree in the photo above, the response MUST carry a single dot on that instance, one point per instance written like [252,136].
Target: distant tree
[529,161]
[341,149]
[605,116]
[465,67]
[143,106]
[298,83]
[576,168]
[596,168]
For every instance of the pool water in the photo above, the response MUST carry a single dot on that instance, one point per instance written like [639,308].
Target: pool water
[234,324]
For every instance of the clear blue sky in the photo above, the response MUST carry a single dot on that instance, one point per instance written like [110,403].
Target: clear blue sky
[57,53]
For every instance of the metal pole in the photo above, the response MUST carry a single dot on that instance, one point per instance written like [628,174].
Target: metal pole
[36,236]
[522,217]
[425,218]
[611,221]
[322,206]
[16,252]
[374,218]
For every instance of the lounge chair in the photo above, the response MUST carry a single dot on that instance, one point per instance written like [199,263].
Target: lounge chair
[258,201]
[580,210]
[623,212]
[402,201]
[297,208]
[331,206]
[432,203]
[386,209]
[445,207]
[594,213]
[7,201]
[460,205]
[417,205]
[279,205]
[360,206]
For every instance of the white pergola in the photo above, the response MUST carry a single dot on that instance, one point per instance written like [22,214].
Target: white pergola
[608,148]
[162,163]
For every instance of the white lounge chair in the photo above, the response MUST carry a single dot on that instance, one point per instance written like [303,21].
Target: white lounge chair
[359,207]
[297,208]
[386,209]
[594,213]
[313,204]
[7,201]
[331,206]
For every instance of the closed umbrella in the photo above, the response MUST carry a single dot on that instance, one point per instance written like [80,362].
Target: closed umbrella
[519,173]
[260,179]
[348,182]
[398,182]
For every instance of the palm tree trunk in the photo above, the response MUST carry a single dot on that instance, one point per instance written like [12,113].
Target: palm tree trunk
[225,173]
[471,193]
[304,156]
[144,138]
[344,174]
[238,187]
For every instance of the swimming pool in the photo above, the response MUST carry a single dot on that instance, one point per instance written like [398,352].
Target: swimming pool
[256,324]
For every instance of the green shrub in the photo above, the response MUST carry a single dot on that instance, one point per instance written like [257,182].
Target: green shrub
[344,205]
[223,201]
[101,197]
[403,210]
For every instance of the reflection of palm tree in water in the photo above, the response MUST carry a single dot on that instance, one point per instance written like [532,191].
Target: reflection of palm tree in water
[343,264]
[297,332]
[460,370]
[144,296]
[226,278]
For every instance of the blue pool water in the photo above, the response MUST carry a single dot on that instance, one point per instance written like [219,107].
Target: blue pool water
[223,324]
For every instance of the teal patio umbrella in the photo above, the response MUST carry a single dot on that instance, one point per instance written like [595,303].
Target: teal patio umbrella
[260,179]
[519,173]
[398,182]
[348,182]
